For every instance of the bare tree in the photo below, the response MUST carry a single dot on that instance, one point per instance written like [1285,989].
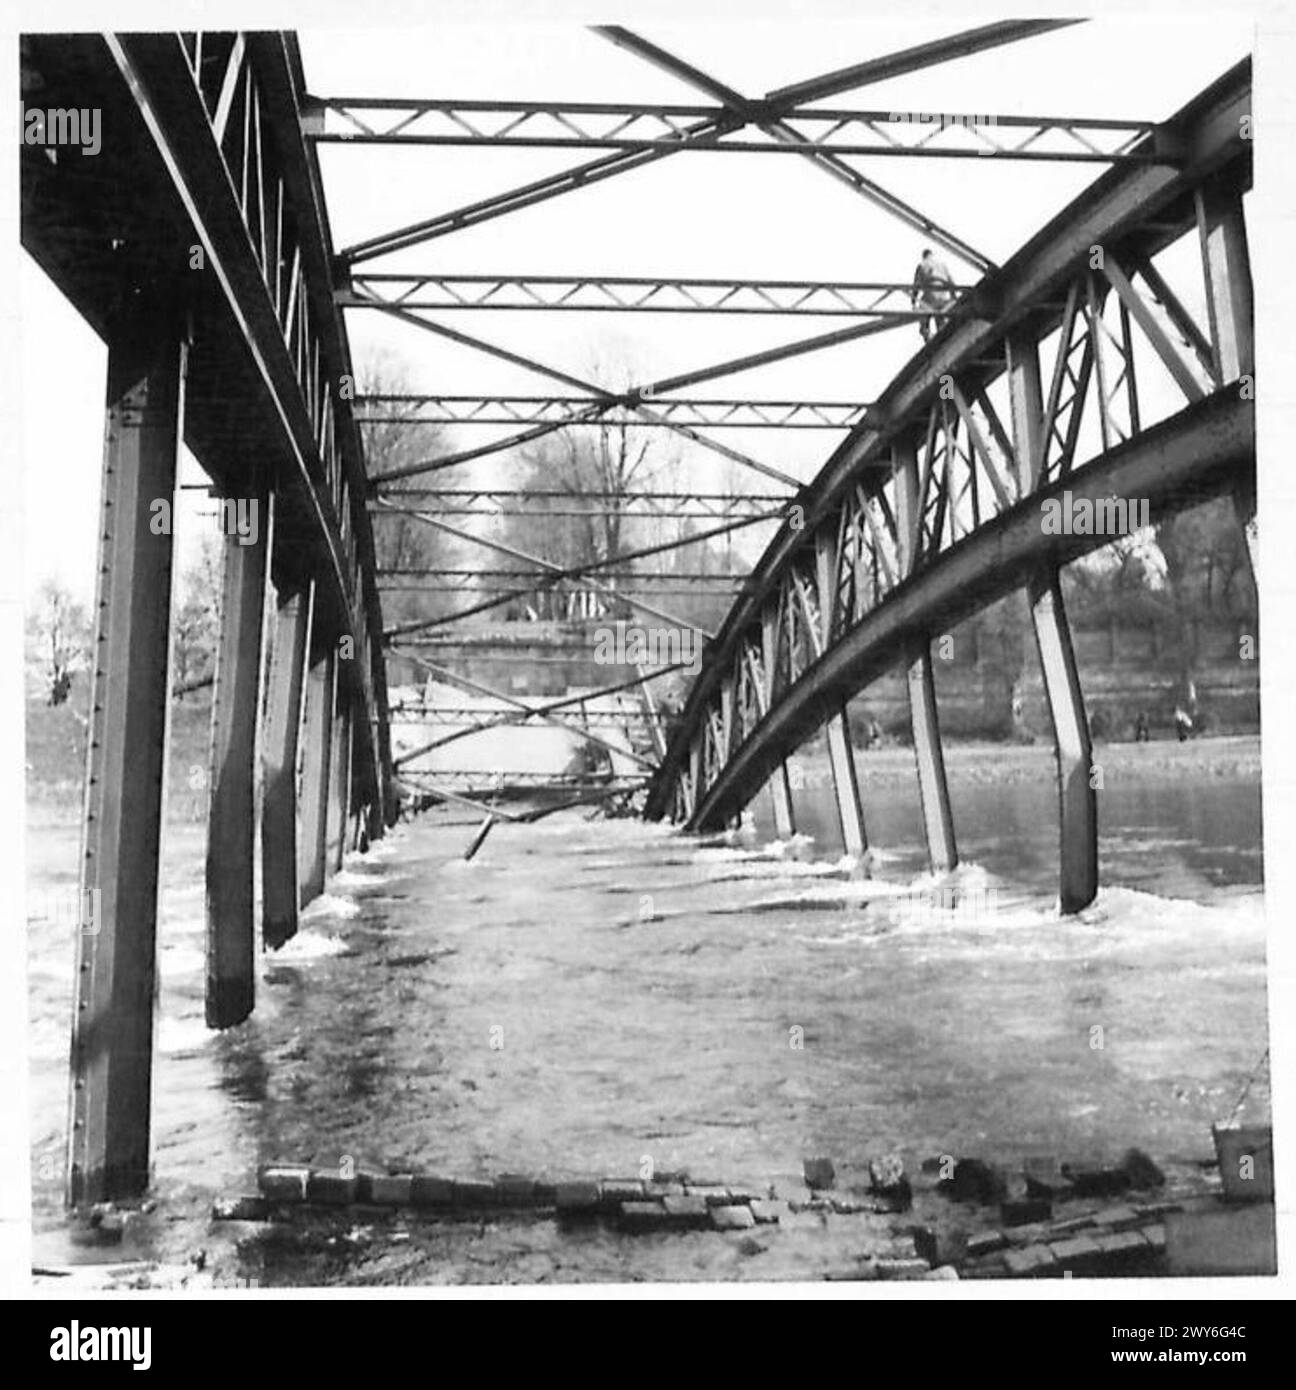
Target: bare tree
[196,628]
[401,540]
[601,467]
[58,638]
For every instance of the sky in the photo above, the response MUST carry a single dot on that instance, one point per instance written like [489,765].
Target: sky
[753,215]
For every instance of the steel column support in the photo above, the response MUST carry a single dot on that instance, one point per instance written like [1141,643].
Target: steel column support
[112,1034]
[929,754]
[1073,750]
[841,756]
[285,688]
[1077,799]
[231,824]
[780,784]
[780,789]
[317,746]
[933,789]
[1230,303]
[1229,296]
[339,782]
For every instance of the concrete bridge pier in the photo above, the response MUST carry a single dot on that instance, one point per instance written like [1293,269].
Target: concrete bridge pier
[231,816]
[112,1033]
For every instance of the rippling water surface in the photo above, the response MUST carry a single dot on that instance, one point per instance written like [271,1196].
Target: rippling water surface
[585,994]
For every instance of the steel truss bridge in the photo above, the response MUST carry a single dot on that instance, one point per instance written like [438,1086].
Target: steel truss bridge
[197,244]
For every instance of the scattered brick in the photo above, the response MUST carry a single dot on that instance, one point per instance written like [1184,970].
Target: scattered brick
[387,1191]
[1083,1222]
[712,1194]
[902,1269]
[661,1188]
[851,1206]
[1159,1209]
[241,1209]
[1026,1212]
[903,1247]
[1077,1248]
[1034,1259]
[331,1189]
[614,1191]
[642,1216]
[1116,1218]
[574,1197]
[1155,1236]
[684,1211]
[767,1211]
[819,1173]
[1022,1236]
[1121,1243]
[925,1244]
[431,1192]
[886,1173]
[975,1181]
[985,1243]
[732,1218]
[283,1184]
[942,1272]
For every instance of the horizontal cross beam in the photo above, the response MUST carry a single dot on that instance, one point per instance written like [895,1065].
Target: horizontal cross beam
[640,126]
[654,294]
[495,494]
[574,410]
[413,571]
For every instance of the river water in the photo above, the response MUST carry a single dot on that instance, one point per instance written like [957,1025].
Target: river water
[587,994]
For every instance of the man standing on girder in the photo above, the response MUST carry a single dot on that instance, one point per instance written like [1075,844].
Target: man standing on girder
[933,292]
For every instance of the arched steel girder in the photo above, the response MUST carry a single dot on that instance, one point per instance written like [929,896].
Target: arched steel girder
[856,541]
[1197,454]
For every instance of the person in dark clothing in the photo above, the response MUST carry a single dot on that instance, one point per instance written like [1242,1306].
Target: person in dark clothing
[1141,733]
[932,292]
[1183,723]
